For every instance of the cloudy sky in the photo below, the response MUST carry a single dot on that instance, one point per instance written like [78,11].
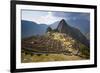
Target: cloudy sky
[49,17]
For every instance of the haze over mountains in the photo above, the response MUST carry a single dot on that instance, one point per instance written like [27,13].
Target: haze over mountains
[29,28]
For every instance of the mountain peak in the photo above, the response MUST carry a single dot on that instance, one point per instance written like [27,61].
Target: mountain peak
[62,26]
[62,21]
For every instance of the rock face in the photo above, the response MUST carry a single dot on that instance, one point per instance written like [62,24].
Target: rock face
[75,33]
[62,26]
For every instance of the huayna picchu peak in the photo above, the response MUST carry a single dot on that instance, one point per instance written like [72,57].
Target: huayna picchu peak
[75,33]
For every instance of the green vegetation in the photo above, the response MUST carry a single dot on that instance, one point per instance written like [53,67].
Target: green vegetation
[49,29]
[53,41]
[85,51]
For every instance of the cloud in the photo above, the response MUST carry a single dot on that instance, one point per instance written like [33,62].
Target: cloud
[47,19]
[72,15]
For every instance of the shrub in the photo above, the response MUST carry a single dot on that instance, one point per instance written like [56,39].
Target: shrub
[85,51]
[38,54]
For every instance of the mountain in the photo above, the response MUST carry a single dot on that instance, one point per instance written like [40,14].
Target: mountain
[54,25]
[73,32]
[29,28]
[82,24]
[87,35]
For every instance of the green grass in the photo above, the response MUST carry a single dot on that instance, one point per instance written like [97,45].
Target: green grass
[27,58]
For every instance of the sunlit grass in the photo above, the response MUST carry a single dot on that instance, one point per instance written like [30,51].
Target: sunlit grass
[47,58]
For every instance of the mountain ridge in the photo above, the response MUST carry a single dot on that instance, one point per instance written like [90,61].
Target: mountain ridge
[30,28]
[75,33]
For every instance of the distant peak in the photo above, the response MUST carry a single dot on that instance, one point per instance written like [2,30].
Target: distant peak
[63,20]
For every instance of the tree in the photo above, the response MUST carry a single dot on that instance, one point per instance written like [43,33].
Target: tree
[55,30]
[49,29]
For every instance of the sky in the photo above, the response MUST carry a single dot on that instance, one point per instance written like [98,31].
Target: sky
[49,17]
